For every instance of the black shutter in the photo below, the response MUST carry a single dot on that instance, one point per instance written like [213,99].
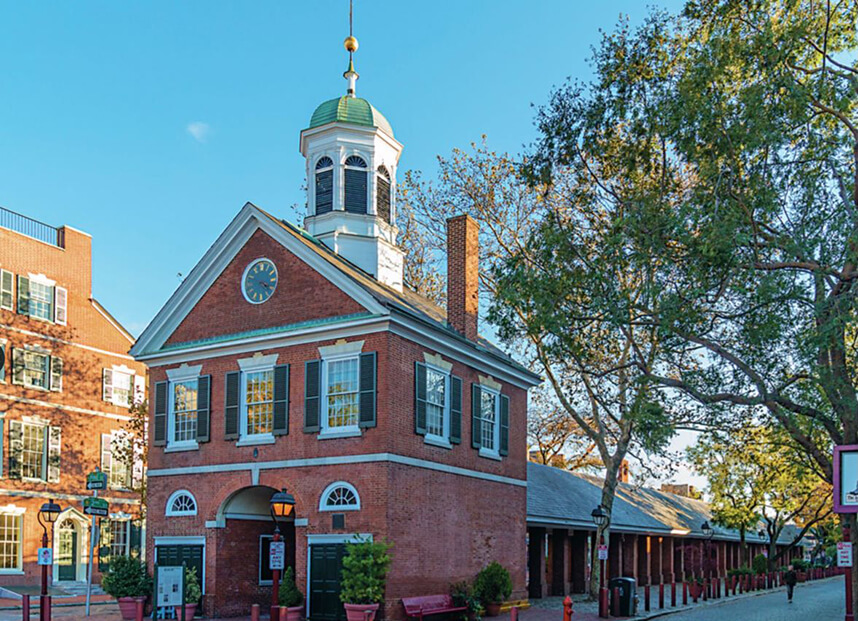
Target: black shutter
[476,429]
[230,401]
[312,395]
[2,362]
[455,409]
[23,295]
[160,433]
[420,398]
[204,393]
[16,448]
[104,546]
[382,202]
[281,400]
[367,390]
[324,191]
[355,190]
[504,425]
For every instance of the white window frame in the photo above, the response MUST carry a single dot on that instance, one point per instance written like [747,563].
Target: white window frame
[256,364]
[126,522]
[6,362]
[264,549]
[30,349]
[495,452]
[323,499]
[43,281]
[132,383]
[179,376]
[169,512]
[431,438]
[338,353]
[44,427]
[11,291]
[116,436]
[15,512]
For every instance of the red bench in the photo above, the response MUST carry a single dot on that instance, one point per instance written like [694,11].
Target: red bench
[417,607]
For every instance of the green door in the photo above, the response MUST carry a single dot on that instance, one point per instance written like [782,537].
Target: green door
[326,565]
[67,552]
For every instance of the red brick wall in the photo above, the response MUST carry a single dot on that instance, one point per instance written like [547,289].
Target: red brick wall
[463,275]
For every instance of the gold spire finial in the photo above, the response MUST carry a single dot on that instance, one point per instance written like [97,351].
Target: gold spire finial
[351,45]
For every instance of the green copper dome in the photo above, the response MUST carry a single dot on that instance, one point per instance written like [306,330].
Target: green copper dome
[352,110]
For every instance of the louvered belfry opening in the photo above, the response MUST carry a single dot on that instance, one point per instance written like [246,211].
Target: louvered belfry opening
[324,185]
[382,197]
[355,185]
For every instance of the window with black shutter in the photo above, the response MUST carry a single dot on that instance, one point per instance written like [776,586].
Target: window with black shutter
[382,195]
[355,185]
[324,185]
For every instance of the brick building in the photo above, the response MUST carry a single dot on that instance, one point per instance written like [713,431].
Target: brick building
[295,358]
[66,381]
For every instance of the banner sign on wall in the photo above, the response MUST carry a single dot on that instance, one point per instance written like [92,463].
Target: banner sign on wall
[846,478]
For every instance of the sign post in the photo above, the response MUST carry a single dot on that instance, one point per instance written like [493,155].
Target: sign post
[846,501]
[95,481]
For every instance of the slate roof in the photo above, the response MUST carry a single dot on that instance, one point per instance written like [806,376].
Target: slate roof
[558,497]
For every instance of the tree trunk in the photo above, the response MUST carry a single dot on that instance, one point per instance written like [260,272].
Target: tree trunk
[609,489]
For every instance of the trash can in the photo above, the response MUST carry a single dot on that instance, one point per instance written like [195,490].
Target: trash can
[628,591]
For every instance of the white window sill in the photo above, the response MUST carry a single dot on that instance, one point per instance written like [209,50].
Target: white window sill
[33,480]
[437,441]
[266,582]
[11,572]
[346,432]
[490,454]
[178,448]
[255,440]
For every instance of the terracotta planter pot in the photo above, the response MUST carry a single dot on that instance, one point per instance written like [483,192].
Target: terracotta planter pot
[291,613]
[358,612]
[128,607]
[190,610]
[493,609]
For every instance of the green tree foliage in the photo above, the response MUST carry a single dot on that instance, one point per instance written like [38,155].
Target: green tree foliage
[127,577]
[289,594]
[364,575]
[493,584]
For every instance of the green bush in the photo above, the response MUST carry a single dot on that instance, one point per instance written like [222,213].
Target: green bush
[288,595]
[127,577]
[493,584]
[193,593]
[760,564]
[739,571]
[800,564]
[365,568]
[463,595]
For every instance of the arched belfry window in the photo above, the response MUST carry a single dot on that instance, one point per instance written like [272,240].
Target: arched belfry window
[382,195]
[181,502]
[355,184]
[339,496]
[324,185]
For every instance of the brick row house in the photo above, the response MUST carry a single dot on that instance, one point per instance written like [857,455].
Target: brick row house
[66,383]
[296,358]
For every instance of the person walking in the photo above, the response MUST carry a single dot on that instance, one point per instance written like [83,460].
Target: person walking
[790,580]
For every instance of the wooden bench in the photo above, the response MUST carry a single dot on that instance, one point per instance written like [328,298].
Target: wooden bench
[417,607]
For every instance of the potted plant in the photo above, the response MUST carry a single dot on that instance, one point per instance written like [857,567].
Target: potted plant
[289,597]
[193,594]
[463,595]
[128,581]
[364,575]
[492,586]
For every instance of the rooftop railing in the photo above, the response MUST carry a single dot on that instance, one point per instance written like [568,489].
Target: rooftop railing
[31,228]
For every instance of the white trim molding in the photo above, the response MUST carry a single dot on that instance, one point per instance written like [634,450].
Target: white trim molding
[184,372]
[168,509]
[257,361]
[323,506]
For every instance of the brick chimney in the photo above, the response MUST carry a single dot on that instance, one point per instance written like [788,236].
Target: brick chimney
[623,473]
[463,275]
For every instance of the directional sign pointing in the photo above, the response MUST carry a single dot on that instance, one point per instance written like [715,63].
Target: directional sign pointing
[96,480]
[95,506]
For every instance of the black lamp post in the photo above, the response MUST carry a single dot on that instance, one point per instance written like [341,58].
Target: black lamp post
[708,533]
[281,506]
[48,514]
[600,519]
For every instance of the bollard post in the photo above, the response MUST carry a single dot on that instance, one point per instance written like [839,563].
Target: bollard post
[660,595]
[705,589]
[47,608]
[615,602]
[684,593]
[254,612]
[646,597]
[25,607]
[694,588]
[673,594]
[567,609]
[513,613]
[138,609]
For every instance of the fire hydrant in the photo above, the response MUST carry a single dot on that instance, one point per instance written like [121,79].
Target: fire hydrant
[567,609]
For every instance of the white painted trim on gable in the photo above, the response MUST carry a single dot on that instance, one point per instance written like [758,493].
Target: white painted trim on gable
[103,312]
[230,242]
[336,461]
[65,408]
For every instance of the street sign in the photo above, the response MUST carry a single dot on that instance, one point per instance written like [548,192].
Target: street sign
[844,554]
[96,480]
[95,506]
[278,554]
[846,479]
[603,552]
[170,586]
[46,556]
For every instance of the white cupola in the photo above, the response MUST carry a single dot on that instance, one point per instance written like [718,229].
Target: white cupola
[351,157]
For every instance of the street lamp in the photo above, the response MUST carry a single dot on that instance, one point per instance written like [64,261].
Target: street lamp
[600,519]
[48,514]
[708,532]
[281,506]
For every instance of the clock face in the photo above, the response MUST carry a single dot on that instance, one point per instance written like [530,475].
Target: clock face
[259,282]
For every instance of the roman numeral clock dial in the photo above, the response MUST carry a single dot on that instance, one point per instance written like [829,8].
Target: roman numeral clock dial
[259,281]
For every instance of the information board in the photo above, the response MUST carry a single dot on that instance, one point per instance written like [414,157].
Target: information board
[170,586]
[278,554]
[603,553]
[844,554]
[846,479]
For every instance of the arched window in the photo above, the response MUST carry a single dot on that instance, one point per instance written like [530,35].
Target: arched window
[324,185]
[355,184]
[339,496]
[382,195]
[181,502]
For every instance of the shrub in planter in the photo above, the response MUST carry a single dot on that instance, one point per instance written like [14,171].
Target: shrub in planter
[364,575]
[289,596]
[492,586]
[760,564]
[127,580]
[463,595]
[193,594]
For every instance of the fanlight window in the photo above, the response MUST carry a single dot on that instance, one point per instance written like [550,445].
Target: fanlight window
[324,185]
[181,503]
[355,185]
[340,496]
[382,197]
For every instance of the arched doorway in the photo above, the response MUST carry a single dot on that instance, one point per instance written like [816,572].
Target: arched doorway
[70,541]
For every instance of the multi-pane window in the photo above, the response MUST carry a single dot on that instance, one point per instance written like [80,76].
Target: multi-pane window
[10,541]
[436,401]
[33,451]
[119,538]
[185,411]
[324,185]
[343,382]
[41,301]
[36,369]
[123,388]
[181,503]
[341,497]
[488,416]
[259,401]
[116,455]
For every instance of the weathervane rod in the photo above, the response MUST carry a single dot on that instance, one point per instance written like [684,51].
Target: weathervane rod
[351,45]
